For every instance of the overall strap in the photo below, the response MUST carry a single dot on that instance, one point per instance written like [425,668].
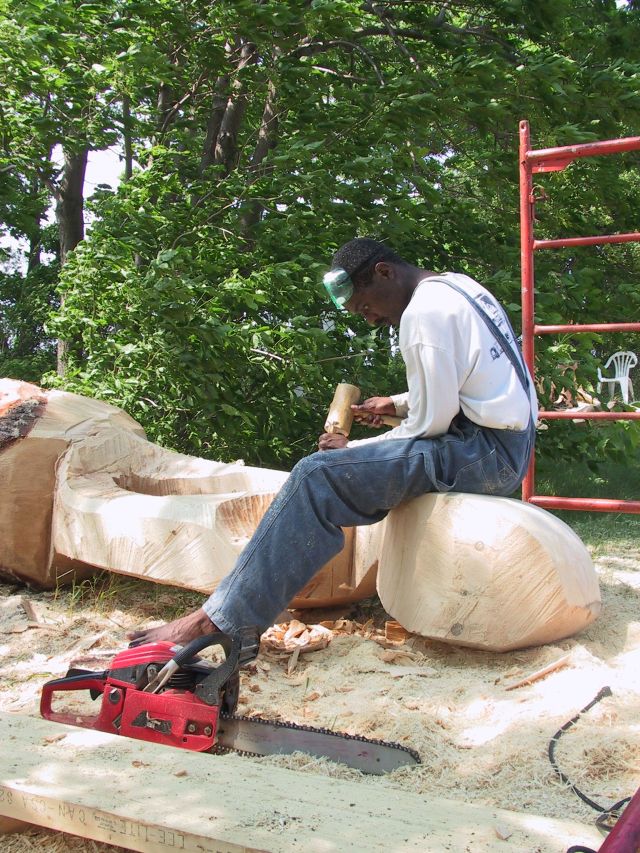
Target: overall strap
[516,360]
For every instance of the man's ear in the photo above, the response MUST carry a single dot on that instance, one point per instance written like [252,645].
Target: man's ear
[385,269]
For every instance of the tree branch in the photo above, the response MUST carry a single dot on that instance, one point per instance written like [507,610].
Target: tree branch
[385,17]
[311,48]
[225,148]
[170,114]
[481,33]
[267,138]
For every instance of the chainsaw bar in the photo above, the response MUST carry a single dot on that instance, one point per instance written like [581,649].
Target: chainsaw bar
[256,736]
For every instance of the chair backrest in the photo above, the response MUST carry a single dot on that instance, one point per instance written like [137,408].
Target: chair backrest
[622,362]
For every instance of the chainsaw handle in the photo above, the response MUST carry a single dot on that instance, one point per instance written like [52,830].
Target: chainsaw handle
[94,681]
[239,649]
[242,646]
[217,638]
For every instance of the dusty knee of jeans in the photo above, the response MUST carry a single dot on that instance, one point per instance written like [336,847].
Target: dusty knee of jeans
[308,465]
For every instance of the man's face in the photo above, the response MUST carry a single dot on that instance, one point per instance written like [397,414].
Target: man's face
[382,301]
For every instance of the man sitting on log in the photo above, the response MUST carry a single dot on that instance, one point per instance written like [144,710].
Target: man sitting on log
[468,426]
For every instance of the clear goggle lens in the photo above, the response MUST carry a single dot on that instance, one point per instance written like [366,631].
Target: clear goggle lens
[339,286]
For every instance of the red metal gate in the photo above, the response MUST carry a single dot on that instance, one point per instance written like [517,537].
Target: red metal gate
[553,160]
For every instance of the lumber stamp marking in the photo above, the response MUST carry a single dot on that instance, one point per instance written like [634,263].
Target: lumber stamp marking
[146,797]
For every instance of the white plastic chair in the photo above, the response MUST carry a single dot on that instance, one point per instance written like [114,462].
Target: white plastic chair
[621,363]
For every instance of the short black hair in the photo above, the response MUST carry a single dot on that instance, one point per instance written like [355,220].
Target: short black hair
[359,257]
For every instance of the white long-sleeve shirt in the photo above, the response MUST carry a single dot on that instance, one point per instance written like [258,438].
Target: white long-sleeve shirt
[454,363]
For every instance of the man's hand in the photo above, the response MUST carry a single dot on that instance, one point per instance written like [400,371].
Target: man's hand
[332,441]
[371,410]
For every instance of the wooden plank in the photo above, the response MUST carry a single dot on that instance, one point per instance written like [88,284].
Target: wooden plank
[9,825]
[146,797]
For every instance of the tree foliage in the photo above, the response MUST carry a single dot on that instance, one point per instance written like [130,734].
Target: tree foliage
[265,134]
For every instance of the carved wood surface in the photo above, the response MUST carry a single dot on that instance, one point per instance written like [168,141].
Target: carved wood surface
[85,489]
[486,572]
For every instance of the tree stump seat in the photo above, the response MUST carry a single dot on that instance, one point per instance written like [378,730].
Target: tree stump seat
[485,572]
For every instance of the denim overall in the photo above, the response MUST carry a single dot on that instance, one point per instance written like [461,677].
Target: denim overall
[332,489]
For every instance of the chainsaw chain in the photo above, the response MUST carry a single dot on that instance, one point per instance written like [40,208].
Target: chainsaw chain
[222,750]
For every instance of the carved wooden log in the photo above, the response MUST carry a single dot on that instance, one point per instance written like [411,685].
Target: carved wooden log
[83,488]
[486,572]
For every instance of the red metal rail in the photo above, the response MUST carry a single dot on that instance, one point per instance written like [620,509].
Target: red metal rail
[625,835]
[554,160]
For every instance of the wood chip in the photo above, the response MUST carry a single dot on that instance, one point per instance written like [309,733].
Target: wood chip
[540,673]
[368,628]
[293,661]
[29,609]
[399,656]
[20,629]
[503,832]
[311,697]
[54,738]
[296,634]
[85,643]
[395,633]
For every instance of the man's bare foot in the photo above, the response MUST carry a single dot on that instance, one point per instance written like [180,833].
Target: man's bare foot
[180,631]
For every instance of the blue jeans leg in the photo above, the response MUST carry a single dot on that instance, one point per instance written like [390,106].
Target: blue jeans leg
[329,490]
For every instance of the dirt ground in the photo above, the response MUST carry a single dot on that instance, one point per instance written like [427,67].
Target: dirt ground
[481,724]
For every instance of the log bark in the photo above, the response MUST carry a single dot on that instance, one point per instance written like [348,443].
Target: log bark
[84,489]
[485,572]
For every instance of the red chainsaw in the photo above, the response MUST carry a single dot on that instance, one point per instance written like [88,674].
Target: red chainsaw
[166,694]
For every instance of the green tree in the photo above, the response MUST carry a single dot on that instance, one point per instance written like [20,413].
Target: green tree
[268,133]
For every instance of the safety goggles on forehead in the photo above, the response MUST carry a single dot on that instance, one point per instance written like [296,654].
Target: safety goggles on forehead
[339,286]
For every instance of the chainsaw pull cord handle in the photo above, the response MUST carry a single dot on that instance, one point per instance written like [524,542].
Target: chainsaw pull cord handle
[239,649]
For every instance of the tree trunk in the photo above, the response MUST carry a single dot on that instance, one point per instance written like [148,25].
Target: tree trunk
[127,137]
[226,147]
[164,106]
[70,218]
[218,106]
[267,139]
[35,237]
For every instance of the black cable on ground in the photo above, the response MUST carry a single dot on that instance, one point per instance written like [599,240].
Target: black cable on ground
[605,814]
[606,691]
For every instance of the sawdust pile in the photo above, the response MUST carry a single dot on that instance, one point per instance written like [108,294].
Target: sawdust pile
[481,721]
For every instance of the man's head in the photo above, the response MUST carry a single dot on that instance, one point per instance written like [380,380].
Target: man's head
[370,279]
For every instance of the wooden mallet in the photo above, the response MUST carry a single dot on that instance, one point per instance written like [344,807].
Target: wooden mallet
[340,417]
